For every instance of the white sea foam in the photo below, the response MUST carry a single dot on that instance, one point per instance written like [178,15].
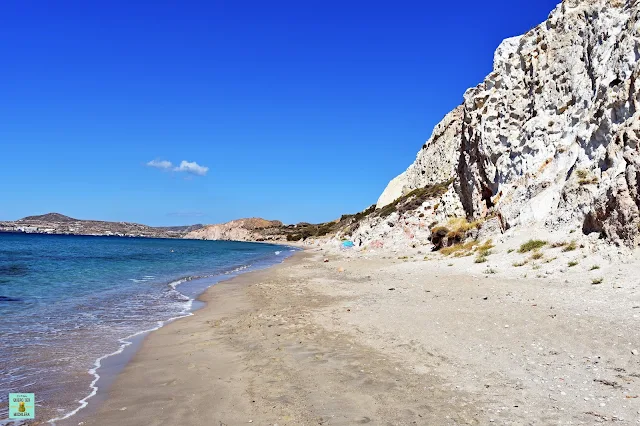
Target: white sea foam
[238,269]
[176,283]
[143,279]
[278,253]
[124,342]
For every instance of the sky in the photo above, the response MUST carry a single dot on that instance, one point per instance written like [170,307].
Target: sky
[172,113]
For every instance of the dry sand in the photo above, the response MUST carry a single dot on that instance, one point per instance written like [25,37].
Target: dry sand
[387,341]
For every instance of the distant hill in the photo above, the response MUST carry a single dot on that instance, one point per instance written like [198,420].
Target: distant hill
[250,229]
[49,217]
[256,229]
[56,223]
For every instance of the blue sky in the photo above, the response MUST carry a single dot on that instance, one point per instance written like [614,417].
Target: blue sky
[300,111]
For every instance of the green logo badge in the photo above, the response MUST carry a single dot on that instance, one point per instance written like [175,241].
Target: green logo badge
[22,406]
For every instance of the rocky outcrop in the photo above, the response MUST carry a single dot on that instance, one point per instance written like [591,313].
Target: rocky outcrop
[551,136]
[252,229]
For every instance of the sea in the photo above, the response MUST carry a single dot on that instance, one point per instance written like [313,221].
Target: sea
[67,303]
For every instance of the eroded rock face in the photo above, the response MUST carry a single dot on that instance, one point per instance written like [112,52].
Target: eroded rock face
[551,135]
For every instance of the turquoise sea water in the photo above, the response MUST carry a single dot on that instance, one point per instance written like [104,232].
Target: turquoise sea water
[66,301]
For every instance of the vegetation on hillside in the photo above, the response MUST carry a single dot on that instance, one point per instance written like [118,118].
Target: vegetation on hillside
[347,222]
[414,199]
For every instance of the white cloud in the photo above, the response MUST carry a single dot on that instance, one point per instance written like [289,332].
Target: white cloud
[160,164]
[185,166]
[191,167]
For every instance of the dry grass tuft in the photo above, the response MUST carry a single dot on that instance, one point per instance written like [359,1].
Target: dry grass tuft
[537,255]
[459,249]
[458,228]
[558,244]
[486,247]
[483,251]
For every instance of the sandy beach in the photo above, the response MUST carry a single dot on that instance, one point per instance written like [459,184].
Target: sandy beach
[389,341]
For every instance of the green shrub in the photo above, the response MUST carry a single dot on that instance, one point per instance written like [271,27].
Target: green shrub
[531,245]
[570,247]
[387,210]
[572,263]
[597,281]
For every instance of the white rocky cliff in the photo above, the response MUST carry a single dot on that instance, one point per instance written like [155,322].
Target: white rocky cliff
[550,137]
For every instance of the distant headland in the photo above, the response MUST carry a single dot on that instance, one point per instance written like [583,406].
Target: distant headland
[59,224]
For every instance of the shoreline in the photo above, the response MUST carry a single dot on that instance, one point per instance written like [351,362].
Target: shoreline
[117,360]
[127,403]
[203,300]
[373,338]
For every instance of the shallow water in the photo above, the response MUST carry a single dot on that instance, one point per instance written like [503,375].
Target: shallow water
[66,301]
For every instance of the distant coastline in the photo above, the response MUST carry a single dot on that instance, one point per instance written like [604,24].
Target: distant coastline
[58,224]
[247,229]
